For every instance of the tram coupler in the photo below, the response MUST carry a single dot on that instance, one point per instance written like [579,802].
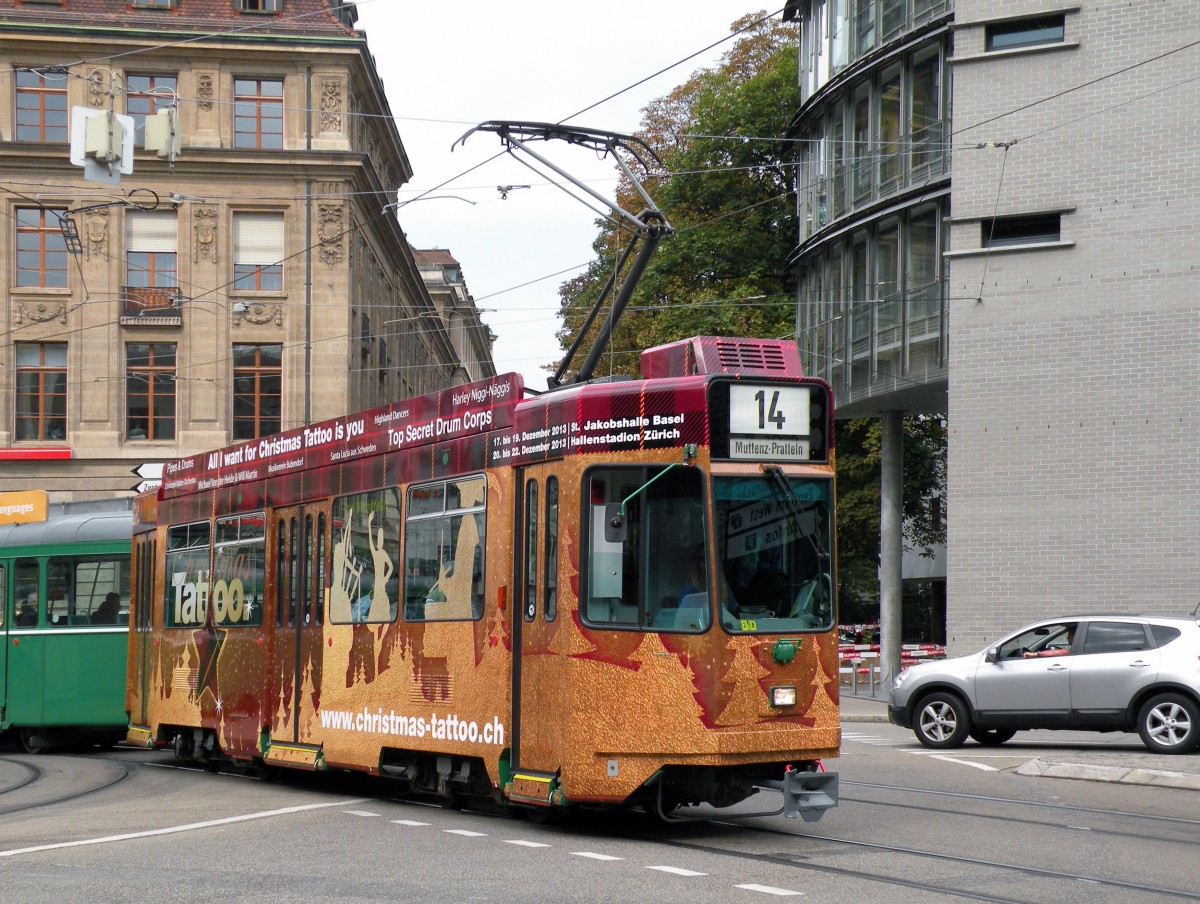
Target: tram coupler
[808,794]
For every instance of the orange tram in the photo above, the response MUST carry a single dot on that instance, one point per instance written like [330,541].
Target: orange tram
[615,593]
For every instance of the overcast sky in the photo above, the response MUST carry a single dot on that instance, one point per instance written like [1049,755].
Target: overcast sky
[448,65]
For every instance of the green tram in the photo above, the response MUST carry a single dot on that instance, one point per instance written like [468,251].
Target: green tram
[64,622]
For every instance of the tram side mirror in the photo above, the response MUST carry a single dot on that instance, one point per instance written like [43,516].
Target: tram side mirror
[615,526]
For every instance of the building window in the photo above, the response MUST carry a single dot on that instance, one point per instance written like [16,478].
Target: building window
[257,390]
[259,6]
[147,95]
[258,252]
[1025,33]
[41,249]
[41,390]
[150,275]
[153,4]
[258,113]
[41,106]
[150,390]
[1037,229]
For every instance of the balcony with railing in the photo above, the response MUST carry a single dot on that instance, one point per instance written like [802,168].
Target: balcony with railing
[151,306]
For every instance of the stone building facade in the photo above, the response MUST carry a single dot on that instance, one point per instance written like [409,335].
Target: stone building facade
[236,290]
[471,338]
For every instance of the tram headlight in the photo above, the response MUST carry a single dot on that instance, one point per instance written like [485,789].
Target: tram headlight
[783,696]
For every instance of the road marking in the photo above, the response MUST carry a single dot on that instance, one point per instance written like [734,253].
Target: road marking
[676,871]
[408,822]
[523,843]
[466,833]
[174,830]
[949,759]
[769,890]
[594,856]
[360,813]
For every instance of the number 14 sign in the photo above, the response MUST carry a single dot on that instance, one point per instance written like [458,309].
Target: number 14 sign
[769,422]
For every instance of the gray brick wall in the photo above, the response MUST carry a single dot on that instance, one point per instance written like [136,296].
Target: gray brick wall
[1074,404]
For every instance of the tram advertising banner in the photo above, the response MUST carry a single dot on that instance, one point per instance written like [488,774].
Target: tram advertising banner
[606,417]
[451,414]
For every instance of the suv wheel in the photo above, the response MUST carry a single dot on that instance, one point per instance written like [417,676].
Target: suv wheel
[1169,723]
[942,721]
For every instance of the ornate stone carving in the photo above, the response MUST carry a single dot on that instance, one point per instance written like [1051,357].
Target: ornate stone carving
[258,314]
[204,90]
[204,228]
[97,89]
[331,105]
[96,237]
[330,229]
[42,312]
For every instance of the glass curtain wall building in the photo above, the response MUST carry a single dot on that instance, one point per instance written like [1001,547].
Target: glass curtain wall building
[873,189]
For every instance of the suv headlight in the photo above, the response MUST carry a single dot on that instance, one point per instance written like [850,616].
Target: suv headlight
[900,679]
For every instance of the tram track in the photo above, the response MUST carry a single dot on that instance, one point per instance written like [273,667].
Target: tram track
[117,772]
[809,863]
[32,774]
[1183,823]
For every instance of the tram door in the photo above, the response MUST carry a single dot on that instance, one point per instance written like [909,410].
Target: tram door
[540,691]
[300,544]
[141,624]
[6,617]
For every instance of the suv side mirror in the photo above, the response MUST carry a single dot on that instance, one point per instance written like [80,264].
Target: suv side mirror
[992,655]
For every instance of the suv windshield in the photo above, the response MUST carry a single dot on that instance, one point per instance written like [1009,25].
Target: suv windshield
[774,557]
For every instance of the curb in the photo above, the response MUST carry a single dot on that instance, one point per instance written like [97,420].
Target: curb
[1124,775]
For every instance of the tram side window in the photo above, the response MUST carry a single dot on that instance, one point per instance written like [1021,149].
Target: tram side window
[25,593]
[238,564]
[87,590]
[444,538]
[366,555]
[651,571]
[551,557]
[187,575]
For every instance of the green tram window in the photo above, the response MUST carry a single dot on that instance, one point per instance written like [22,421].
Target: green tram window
[444,537]
[651,574]
[87,590]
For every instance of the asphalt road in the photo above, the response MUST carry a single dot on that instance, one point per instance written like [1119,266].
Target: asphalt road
[912,826]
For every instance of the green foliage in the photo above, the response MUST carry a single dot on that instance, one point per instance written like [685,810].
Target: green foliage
[729,198]
[858,513]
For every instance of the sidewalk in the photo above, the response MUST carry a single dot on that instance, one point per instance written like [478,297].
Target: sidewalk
[1124,766]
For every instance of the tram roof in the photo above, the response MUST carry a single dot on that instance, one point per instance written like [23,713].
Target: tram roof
[80,527]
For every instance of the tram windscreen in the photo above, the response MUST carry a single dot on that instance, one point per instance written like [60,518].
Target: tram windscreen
[775,561]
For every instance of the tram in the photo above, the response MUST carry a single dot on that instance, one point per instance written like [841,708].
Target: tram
[64,605]
[614,593]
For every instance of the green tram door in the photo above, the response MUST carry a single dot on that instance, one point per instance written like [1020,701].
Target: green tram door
[6,612]
[24,646]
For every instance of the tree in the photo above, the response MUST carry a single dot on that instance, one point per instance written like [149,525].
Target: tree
[730,200]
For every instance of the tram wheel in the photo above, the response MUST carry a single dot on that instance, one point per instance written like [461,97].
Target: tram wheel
[31,741]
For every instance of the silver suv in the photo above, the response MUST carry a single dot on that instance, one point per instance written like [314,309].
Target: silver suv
[1086,673]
